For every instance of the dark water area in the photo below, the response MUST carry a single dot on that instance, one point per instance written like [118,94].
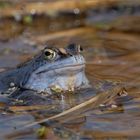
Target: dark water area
[111,43]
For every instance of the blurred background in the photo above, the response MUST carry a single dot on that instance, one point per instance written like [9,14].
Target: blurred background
[100,25]
[109,32]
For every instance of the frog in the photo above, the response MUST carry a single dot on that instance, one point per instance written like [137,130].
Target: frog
[51,73]
[52,70]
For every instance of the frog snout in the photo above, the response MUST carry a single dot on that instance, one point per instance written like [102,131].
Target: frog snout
[74,49]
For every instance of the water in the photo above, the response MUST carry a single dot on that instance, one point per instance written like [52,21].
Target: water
[110,55]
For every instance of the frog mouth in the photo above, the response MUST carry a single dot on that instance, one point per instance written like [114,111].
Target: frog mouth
[74,67]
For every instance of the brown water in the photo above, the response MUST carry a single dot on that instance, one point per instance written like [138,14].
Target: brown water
[112,55]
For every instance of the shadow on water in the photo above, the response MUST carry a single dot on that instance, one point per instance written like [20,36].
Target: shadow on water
[112,56]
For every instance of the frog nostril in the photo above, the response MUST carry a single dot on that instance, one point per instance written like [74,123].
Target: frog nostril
[79,48]
[74,49]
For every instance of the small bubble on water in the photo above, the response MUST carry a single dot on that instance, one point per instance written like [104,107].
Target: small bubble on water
[33,11]
[18,17]
[76,11]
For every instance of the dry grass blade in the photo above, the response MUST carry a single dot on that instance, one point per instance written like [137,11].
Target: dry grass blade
[62,34]
[96,101]
[27,108]
[54,7]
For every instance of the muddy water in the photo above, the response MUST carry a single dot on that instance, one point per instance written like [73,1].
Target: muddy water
[110,55]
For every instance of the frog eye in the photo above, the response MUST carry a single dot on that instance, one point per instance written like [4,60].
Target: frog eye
[49,54]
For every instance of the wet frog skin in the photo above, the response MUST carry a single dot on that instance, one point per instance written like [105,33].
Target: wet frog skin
[52,70]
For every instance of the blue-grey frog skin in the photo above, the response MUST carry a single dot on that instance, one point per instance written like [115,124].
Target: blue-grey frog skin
[52,70]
